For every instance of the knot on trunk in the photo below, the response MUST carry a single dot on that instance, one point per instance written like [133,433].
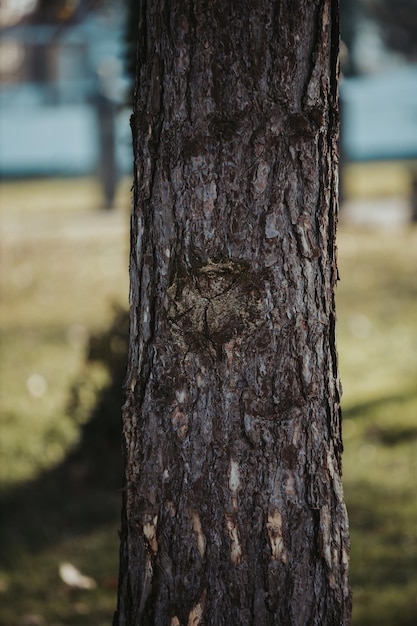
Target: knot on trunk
[218,301]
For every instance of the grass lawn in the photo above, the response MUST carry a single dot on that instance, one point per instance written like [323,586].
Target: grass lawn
[377,340]
[63,289]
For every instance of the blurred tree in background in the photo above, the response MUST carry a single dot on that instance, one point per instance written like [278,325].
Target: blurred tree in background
[398,23]
[62,11]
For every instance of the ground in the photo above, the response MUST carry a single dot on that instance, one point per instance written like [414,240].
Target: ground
[64,291]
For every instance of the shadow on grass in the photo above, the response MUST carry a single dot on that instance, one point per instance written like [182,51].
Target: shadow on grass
[395,401]
[81,494]
[383,556]
[397,406]
[382,514]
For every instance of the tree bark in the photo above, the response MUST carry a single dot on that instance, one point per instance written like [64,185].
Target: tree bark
[233,507]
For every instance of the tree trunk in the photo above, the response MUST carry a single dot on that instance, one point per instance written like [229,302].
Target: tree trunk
[233,506]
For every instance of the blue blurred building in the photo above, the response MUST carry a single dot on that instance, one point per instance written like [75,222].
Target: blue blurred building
[379,118]
[53,80]
[56,82]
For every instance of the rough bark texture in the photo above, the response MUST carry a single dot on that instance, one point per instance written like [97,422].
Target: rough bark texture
[233,506]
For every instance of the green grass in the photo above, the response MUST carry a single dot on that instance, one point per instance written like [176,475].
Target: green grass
[63,340]
[63,272]
[377,337]
[62,269]
[378,179]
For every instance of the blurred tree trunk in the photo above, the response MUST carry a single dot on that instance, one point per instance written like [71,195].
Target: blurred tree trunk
[233,507]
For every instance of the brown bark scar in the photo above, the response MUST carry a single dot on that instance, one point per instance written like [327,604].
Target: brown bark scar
[149,530]
[196,613]
[274,528]
[236,555]
[260,181]
[326,533]
[198,532]
[234,481]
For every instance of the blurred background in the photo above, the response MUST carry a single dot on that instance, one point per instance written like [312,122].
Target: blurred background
[65,164]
